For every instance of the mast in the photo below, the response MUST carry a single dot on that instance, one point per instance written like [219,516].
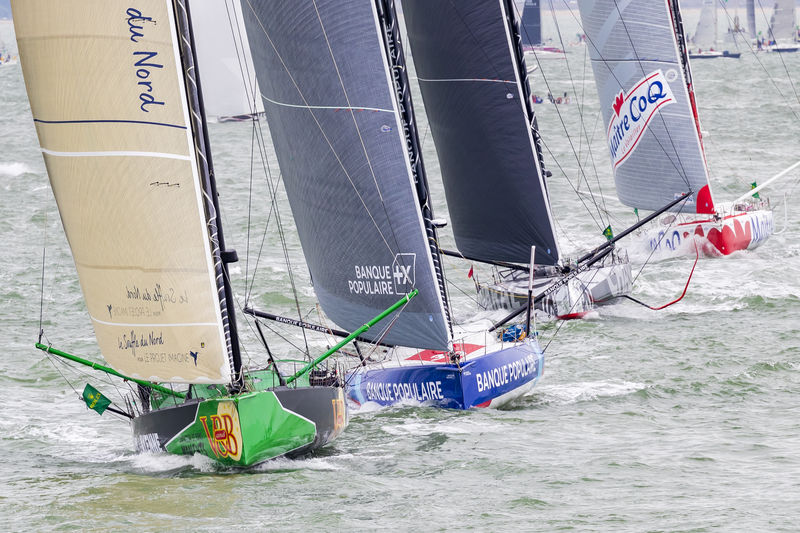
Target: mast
[395,55]
[683,55]
[222,256]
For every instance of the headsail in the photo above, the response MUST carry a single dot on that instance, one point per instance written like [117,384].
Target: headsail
[111,109]
[342,146]
[531,23]
[468,61]
[644,85]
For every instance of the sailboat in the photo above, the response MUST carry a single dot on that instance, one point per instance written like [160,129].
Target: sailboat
[705,36]
[532,42]
[736,33]
[119,114]
[783,33]
[467,56]
[644,83]
[338,104]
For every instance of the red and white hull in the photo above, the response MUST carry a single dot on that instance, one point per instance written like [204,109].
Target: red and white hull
[741,230]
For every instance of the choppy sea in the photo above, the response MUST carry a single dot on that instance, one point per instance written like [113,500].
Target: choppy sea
[684,419]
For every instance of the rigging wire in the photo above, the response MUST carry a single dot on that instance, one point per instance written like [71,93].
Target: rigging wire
[322,130]
[580,104]
[565,128]
[257,139]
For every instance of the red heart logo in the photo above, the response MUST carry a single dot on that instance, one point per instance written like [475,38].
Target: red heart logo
[617,105]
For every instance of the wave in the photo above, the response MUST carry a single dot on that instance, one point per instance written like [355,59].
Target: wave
[14,169]
[570,393]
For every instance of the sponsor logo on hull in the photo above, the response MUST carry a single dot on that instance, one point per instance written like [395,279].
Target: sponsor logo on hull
[731,234]
[474,383]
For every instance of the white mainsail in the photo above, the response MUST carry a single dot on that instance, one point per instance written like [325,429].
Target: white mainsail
[705,36]
[109,102]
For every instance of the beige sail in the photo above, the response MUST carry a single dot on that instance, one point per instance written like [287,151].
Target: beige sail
[110,107]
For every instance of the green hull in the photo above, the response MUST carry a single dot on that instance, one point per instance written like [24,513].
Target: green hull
[247,428]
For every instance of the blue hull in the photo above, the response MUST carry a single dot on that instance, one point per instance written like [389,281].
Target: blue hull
[476,383]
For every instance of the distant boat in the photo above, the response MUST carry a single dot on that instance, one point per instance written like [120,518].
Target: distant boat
[705,36]
[531,33]
[736,34]
[338,104]
[124,139]
[783,33]
[645,86]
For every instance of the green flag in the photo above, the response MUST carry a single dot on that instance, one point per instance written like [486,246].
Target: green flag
[608,233]
[753,186]
[95,400]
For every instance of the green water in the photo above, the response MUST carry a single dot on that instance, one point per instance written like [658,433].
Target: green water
[680,420]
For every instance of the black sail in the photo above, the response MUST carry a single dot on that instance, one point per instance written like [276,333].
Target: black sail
[342,146]
[531,23]
[468,62]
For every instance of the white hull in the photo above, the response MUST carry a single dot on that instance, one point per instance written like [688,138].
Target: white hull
[675,236]
[599,284]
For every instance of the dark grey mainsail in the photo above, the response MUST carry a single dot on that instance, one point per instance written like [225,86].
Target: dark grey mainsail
[343,149]
[531,23]
[469,67]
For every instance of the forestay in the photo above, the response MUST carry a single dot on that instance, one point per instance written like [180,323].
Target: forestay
[645,93]
[110,107]
[468,65]
[335,123]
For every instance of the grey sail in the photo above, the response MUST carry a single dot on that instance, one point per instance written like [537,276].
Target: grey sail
[705,36]
[477,103]
[751,17]
[643,81]
[336,125]
[781,24]
[531,23]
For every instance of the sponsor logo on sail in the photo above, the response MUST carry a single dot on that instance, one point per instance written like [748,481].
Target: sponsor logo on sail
[633,111]
[397,278]
[146,61]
